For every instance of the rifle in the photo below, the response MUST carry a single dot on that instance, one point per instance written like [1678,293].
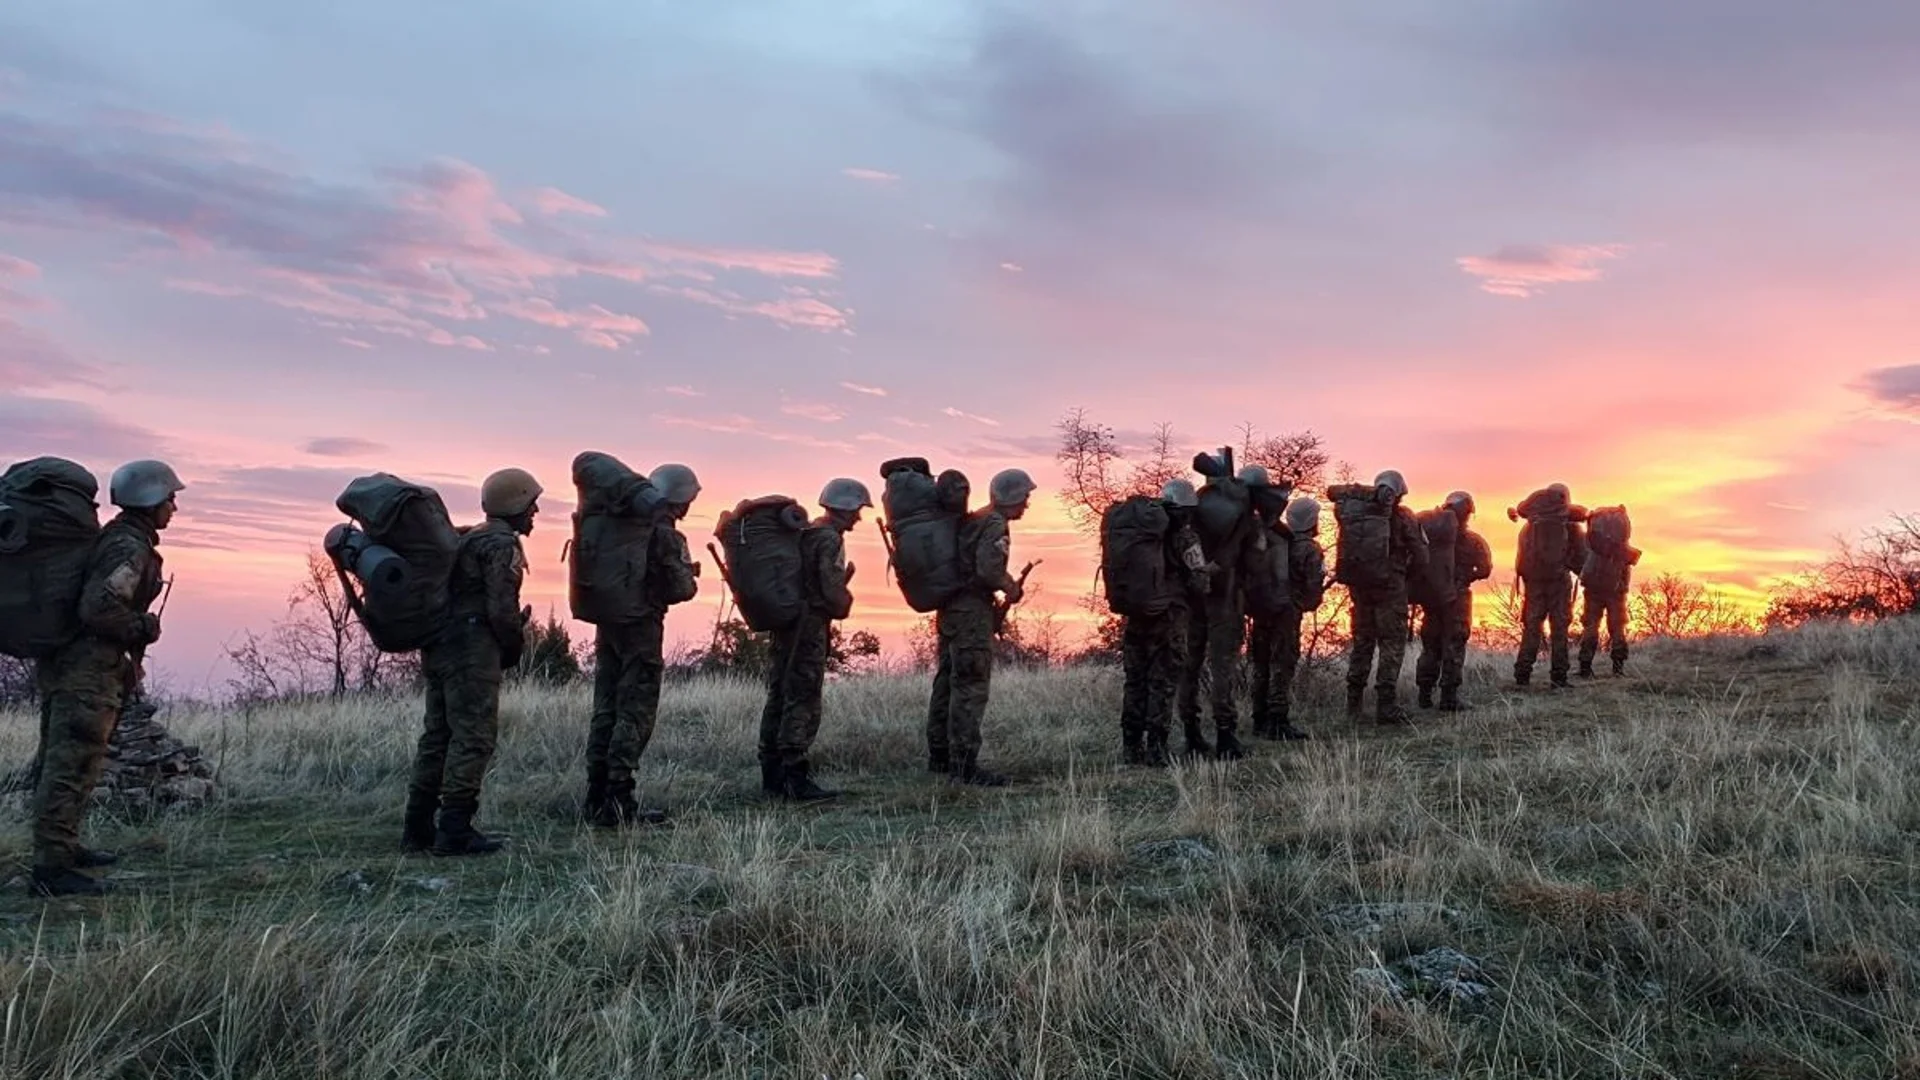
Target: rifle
[139,652]
[886,541]
[720,561]
[1003,606]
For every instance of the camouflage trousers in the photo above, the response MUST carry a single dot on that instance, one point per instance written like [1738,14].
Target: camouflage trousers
[795,679]
[628,664]
[82,687]
[1444,631]
[1152,649]
[1612,608]
[963,680]
[1215,632]
[1274,647]
[1379,626]
[462,721]
[1549,604]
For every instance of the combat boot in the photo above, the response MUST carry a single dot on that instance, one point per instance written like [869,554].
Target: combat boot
[1155,754]
[67,881]
[620,808]
[1620,667]
[1388,711]
[1197,745]
[1356,701]
[1284,728]
[1226,746]
[416,830]
[968,770]
[772,776]
[596,790]
[93,858]
[939,761]
[457,836]
[797,785]
[1132,750]
[1586,668]
[1426,697]
[1451,701]
[1559,682]
[1522,678]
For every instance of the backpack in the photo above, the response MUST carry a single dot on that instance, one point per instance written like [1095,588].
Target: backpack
[1311,588]
[1270,591]
[1441,527]
[1546,538]
[1604,570]
[761,541]
[922,531]
[401,549]
[1225,508]
[1363,552]
[613,522]
[48,526]
[1133,556]
[1609,528]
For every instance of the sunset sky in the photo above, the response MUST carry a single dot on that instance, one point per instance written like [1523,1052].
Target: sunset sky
[1666,253]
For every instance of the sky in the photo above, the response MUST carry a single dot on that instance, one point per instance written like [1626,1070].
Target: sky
[1666,254]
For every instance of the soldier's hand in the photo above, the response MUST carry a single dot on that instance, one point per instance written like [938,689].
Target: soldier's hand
[696,569]
[1015,591]
[526,615]
[849,571]
[149,628]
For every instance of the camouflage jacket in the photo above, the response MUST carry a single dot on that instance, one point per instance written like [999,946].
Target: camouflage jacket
[123,580]
[1472,560]
[670,567]
[1306,568]
[1409,552]
[1186,563]
[823,562]
[986,546]
[487,573]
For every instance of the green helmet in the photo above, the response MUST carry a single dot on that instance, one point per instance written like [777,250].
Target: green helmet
[845,494]
[509,493]
[1392,479]
[1303,516]
[1460,502]
[143,485]
[1256,476]
[1010,487]
[1179,491]
[677,484]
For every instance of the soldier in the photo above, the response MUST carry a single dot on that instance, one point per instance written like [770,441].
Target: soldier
[1447,621]
[484,636]
[1380,611]
[86,682]
[1548,555]
[1152,647]
[1218,627]
[630,660]
[798,672]
[965,626]
[1606,579]
[1275,642]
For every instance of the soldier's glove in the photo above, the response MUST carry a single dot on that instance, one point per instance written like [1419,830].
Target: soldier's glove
[696,569]
[149,628]
[849,571]
[1014,592]
[510,653]
[526,615]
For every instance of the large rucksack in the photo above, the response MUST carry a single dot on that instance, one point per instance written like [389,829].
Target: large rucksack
[1133,556]
[761,541]
[1307,593]
[1363,551]
[1270,590]
[1441,527]
[922,528]
[1546,538]
[1604,569]
[400,549]
[48,526]
[613,523]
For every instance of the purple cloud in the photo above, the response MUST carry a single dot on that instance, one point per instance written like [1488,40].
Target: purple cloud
[31,426]
[342,446]
[1522,270]
[1897,388]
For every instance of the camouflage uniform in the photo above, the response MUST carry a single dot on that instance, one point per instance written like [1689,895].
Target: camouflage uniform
[1612,607]
[1380,620]
[1216,629]
[1548,601]
[629,660]
[1275,642]
[1446,628]
[798,672]
[485,634]
[965,629]
[86,681]
[1152,650]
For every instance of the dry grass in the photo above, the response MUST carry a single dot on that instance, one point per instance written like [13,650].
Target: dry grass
[1707,869]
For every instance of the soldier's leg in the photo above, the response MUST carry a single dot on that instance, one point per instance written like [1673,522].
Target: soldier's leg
[1364,626]
[84,706]
[1136,659]
[940,702]
[1260,647]
[773,713]
[1617,630]
[1533,613]
[1286,664]
[1226,633]
[800,721]
[1559,616]
[1166,650]
[1591,613]
[1193,673]
[607,672]
[430,752]
[972,685]
[1427,669]
[1453,656]
[1392,630]
[472,694]
[643,669]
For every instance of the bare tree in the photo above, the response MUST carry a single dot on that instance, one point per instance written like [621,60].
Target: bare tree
[319,648]
[1864,581]
[1673,606]
[1298,457]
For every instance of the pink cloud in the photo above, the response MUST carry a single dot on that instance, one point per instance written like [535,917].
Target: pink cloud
[592,324]
[870,391]
[1896,388]
[552,202]
[825,414]
[975,417]
[905,423]
[355,343]
[871,176]
[810,313]
[801,264]
[742,425]
[682,391]
[1013,268]
[1524,270]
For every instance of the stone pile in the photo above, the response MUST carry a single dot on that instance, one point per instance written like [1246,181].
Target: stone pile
[148,769]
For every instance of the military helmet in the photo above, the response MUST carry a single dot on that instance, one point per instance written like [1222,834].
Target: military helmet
[1560,490]
[1256,476]
[677,484]
[509,493]
[1459,502]
[1391,478]
[845,494]
[143,485]
[1303,516]
[1179,491]
[1010,487]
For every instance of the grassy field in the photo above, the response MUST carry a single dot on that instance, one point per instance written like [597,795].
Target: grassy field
[1706,869]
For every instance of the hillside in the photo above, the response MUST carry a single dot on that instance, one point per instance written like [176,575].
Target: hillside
[1707,869]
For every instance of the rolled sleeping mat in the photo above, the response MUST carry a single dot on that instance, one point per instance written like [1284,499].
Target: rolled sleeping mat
[13,529]
[381,570]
